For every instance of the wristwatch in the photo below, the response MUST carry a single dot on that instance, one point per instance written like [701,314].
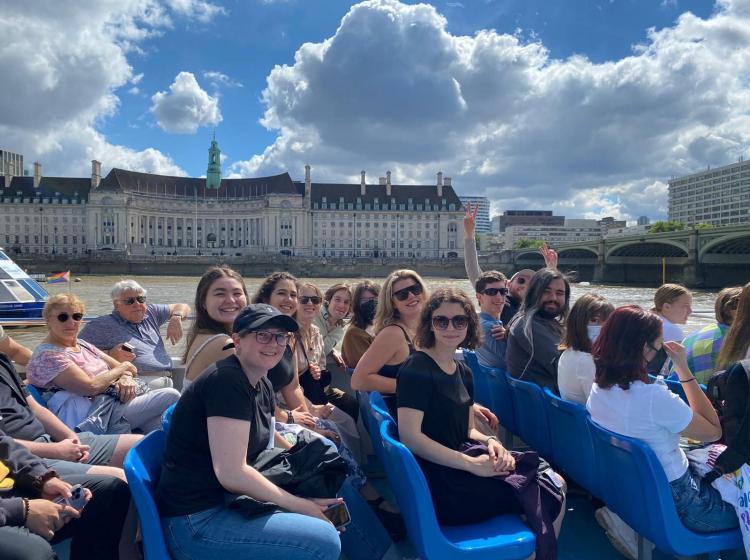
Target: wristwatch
[180,315]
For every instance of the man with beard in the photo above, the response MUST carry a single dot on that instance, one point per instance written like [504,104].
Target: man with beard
[536,331]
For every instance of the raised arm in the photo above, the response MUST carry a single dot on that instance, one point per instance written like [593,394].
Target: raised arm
[383,349]
[471,259]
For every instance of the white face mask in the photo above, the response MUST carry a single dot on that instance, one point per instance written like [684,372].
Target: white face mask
[593,332]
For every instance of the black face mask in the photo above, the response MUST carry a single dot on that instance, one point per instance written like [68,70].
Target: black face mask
[367,310]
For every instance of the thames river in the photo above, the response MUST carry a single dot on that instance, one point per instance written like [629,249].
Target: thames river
[94,290]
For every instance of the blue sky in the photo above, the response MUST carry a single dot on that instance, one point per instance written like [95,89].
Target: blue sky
[584,107]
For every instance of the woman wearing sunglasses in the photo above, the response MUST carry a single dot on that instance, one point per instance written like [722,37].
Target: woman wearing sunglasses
[435,421]
[399,306]
[75,371]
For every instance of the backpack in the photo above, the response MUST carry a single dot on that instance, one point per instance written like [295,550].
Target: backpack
[716,388]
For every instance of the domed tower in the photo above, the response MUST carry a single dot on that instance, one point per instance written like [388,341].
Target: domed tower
[213,173]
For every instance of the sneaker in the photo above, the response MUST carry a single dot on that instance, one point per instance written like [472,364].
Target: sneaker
[619,533]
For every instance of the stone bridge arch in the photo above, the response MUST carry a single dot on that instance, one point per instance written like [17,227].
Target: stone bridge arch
[735,246]
[651,248]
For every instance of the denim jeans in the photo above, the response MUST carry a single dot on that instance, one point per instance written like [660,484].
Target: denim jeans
[699,505]
[221,532]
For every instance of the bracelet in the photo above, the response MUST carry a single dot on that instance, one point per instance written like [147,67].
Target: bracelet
[492,437]
[689,380]
[180,315]
[25,510]
[289,417]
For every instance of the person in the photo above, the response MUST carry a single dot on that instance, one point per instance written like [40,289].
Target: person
[330,320]
[314,377]
[39,430]
[625,401]
[220,296]
[399,305]
[135,322]
[673,304]
[221,425]
[74,372]
[536,332]
[361,331]
[575,370]
[31,521]
[491,289]
[703,345]
[435,421]
[737,342]
[15,351]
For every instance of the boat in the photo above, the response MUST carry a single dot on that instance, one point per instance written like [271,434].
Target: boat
[21,297]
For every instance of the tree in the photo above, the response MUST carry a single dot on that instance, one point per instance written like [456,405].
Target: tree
[703,225]
[662,226]
[524,243]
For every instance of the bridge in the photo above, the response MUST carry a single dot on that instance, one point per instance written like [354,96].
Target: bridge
[714,257]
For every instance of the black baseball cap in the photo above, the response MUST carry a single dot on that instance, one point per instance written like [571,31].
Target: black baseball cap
[260,315]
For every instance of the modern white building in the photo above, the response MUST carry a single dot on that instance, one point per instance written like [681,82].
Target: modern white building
[145,214]
[483,215]
[551,234]
[719,196]
[11,164]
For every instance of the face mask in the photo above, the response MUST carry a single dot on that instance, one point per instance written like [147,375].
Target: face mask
[367,310]
[593,332]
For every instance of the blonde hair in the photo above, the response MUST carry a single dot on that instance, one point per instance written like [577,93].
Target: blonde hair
[737,341]
[59,301]
[668,293]
[387,314]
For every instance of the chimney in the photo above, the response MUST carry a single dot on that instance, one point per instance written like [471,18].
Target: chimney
[96,173]
[9,168]
[362,184]
[308,183]
[447,182]
[388,183]
[440,183]
[381,181]
[37,174]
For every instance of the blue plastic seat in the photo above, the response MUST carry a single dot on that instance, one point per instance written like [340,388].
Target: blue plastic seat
[166,418]
[501,538]
[635,487]
[377,412]
[34,392]
[142,469]
[491,389]
[572,446]
[532,421]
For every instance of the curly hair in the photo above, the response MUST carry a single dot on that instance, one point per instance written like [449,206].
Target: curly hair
[425,336]
[263,295]
[59,301]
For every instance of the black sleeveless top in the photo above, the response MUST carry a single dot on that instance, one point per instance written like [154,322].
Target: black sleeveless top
[391,370]
[283,373]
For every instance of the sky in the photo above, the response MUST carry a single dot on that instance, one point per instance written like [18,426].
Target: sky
[583,107]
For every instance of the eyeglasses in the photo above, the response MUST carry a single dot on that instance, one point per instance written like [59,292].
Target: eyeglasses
[494,291]
[132,300]
[264,337]
[403,293]
[441,322]
[315,300]
[63,317]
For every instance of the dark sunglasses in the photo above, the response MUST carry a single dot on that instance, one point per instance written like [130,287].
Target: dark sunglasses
[264,337]
[132,300]
[315,300]
[521,280]
[494,291]
[63,317]
[441,322]
[403,293]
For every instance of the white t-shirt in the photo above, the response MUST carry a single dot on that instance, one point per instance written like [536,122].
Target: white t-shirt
[575,375]
[648,412]
[671,331]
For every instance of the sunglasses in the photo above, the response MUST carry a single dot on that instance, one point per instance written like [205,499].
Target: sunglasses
[264,337]
[315,300]
[459,322]
[520,280]
[63,317]
[403,293]
[494,291]
[132,300]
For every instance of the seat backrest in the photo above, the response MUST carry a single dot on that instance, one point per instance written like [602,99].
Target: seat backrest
[142,469]
[166,418]
[532,421]
[491,389]
[378,413]
[571,441]
[410,488]
[34,392]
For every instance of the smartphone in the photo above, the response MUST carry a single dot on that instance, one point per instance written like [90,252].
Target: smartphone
[338,514]
[77,499]
[127,347]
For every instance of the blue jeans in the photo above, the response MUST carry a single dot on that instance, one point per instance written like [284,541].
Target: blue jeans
[221,532]
[699,505]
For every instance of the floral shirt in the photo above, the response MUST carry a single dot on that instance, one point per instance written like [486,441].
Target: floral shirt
[49,360]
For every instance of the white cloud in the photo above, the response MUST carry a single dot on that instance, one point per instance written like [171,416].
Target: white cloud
[196,9]
[217,79]
[186,106]
[393,89]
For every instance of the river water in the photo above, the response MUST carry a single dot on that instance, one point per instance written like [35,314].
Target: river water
[94,290]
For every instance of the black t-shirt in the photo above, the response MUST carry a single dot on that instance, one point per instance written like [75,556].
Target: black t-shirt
[445,399]
[188,483]
[510,309]
[283,373]
[16,418]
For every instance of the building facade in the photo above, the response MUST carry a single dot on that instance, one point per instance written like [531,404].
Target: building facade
[551,234]
[483,214]
[526,218]
[11,164]
[719,197]
[145,214]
